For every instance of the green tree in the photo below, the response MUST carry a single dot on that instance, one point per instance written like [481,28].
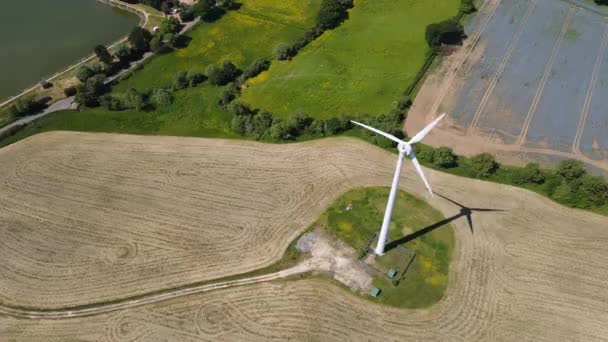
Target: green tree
[156,43]
[449,31]
[444,157]
[87,93]
[484,165]
[570,169]
[281,130]
[169,25]
[261,123]
[139,39]
[170,39]
[331,14]
[134,99]
[103,55]
[124,53]
[84,73]
[300,122]
[222,75]
[335,126]
[161,97]
[203,8]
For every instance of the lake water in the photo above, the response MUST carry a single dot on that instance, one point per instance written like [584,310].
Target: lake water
[42,37]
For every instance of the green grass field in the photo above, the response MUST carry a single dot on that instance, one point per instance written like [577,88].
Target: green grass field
[361,67]
[241,36]
[193,113]
[426,279]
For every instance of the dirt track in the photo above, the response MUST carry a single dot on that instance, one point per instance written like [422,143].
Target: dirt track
[536,271]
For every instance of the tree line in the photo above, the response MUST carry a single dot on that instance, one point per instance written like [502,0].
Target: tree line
[331,14]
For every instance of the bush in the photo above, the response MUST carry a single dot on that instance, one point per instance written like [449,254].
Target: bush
[404,103]
[180,80]
[228,95]
[224,74]
[283,52]
[84,73]
[156,43]
[257,125]
[484,165]
[161,97]
[467,6]
[255,69]
[335,126]
[196,78]
[134,99]
[449,31]
[425,153]
[112,103]
[594,189]
[316,128]
[281,130]
[563,194]
[570,169]
[25,106]
[299,122]
[531,173]
[69,91]
[237,108]
[444,158]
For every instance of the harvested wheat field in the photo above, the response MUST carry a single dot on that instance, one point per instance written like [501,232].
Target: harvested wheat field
[128,214]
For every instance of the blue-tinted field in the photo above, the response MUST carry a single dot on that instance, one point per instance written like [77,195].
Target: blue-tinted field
[514,92]
[556,119]
[528,89]
[494,43]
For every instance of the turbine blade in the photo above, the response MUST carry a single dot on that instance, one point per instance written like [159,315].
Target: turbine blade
[418,137]
[420,173]
[390,136]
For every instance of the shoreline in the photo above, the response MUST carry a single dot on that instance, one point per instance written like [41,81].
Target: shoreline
[143,21]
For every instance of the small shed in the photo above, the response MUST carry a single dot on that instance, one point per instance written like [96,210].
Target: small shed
[392,273]
[375,292]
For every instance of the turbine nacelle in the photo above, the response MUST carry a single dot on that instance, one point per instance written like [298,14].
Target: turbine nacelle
[404,147]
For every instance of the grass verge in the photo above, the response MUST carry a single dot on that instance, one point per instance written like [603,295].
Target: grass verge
[426,280]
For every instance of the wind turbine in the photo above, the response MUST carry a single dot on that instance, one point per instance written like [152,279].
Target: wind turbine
[405,148]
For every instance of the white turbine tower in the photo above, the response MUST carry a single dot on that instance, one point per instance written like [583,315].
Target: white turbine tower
[404,147]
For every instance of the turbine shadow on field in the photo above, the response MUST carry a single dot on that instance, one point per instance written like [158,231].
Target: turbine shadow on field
[464,211]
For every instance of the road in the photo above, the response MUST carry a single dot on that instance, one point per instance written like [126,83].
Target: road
[101,308]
